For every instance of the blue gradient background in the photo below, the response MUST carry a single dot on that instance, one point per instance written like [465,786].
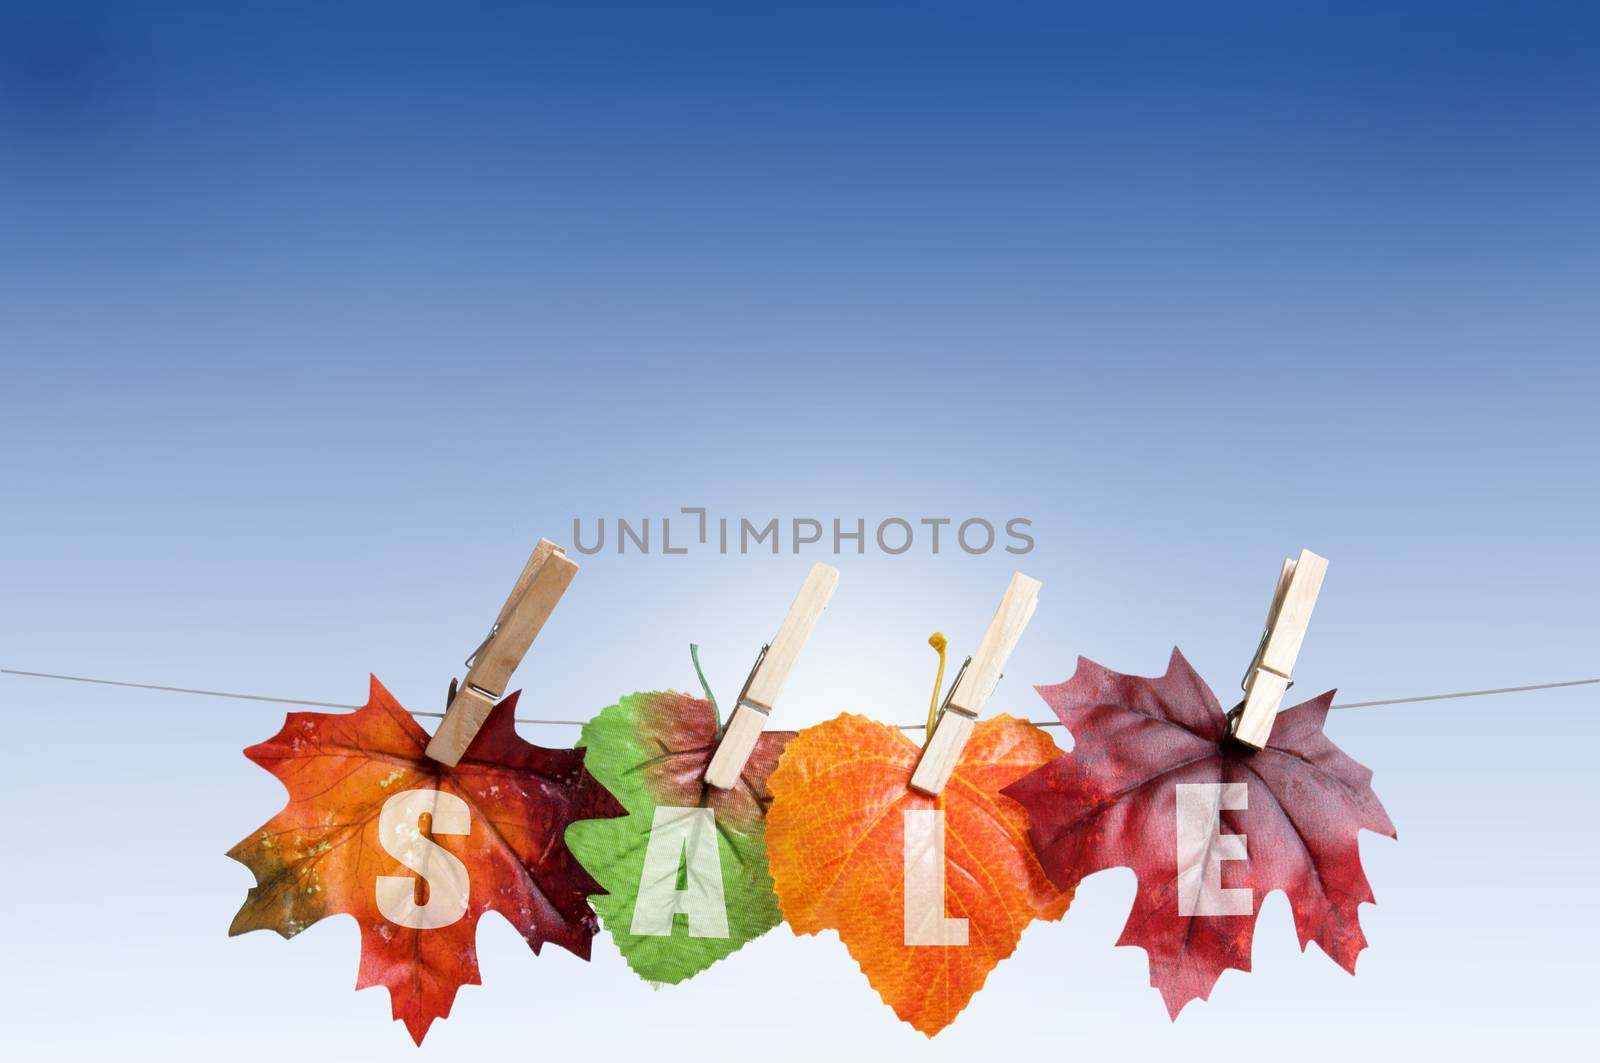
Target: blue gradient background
[314,317]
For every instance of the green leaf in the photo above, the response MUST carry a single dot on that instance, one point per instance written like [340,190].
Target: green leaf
[651,751]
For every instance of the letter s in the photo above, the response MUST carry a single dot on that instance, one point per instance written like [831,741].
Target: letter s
[1013,527]
[401,837]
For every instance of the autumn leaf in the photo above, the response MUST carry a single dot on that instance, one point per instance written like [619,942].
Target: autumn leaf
[651,750]
[1154,779]
[837,834]
[484,835]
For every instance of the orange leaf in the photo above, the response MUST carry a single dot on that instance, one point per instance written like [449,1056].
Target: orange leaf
[836,839]
[368,811]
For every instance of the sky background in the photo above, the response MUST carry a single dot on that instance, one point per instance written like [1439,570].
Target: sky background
[313,318]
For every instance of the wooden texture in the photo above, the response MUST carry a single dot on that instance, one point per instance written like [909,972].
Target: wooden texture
[533,598]
[749,718]
[943,752]
[1288,617]
[541,553]
[798,623]
[977,683]
[739,738]
[461,724]
[492,668]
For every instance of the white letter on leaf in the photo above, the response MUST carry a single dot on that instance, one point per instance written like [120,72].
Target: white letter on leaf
[675,833]
[1202,847]
[401,837]
[924,872]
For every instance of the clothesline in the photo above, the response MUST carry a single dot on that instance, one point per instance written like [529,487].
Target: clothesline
[580,723]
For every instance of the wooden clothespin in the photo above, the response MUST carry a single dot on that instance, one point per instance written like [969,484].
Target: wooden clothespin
[543,581]
[970,692]
[1299,582]
[771,670]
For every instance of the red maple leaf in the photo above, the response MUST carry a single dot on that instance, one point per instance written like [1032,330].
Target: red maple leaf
[1115,801]
[488,834]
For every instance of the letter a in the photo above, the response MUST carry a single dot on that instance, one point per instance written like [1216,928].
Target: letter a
[673,833]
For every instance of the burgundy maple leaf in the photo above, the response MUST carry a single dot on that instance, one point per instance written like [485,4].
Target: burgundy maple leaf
[1209,826]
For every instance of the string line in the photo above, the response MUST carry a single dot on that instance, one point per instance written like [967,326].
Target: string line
[580,723]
